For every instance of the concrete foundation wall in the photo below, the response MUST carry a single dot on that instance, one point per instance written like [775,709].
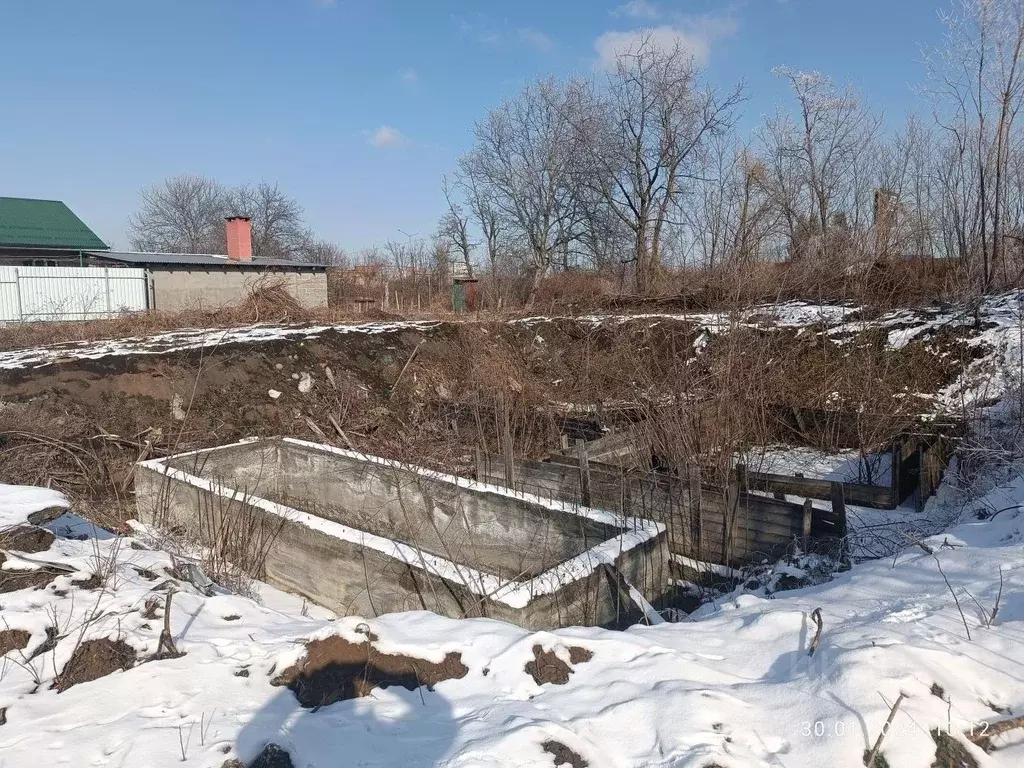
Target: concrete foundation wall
[176,289]
[494,534]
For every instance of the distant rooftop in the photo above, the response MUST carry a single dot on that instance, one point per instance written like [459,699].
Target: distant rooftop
[27,223]
[208,260]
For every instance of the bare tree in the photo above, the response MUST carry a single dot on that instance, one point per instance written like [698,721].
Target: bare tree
[814,158]
[316,251]
[523,163]
[978,86]
[278,228]
[483,211]
[644,131]
[454,228]
[729,216]
[183,214]
[906,201]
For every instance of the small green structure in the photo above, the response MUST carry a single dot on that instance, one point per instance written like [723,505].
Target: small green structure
[464,294]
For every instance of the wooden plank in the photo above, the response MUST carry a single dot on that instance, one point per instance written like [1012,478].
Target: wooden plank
[839,507]
[806,523]
[507,447]
[875,496]
[581,454]
[788,519]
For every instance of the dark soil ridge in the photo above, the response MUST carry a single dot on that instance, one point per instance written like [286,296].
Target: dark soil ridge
[94,659]
[13,640]
[335,669]
[26,538]
[564,755]
[546,667]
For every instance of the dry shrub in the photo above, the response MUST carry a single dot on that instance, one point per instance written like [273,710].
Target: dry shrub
[572,289]
[238,539]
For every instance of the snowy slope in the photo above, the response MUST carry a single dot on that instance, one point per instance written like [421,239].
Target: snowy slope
[735,687]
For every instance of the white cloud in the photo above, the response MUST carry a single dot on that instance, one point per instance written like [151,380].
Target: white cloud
[386,137]
[536,39]
[409,76]
[480,28]
[693,34]
[638,9]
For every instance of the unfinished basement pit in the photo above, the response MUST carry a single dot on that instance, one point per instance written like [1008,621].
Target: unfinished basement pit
[363,535]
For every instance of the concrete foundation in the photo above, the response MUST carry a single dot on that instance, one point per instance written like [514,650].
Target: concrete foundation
[363,535]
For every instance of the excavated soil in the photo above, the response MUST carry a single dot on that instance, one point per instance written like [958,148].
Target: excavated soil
[12,581]
[335,670]
[13,640]
[26,538]
[546,667]
[95,659]
[272,756]
[563,755]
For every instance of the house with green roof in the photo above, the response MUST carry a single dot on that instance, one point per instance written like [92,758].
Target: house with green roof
[38,236]
[43,233]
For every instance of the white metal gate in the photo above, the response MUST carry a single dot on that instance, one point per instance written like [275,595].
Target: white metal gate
[70,293]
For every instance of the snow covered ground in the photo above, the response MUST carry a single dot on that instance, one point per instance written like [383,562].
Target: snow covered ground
[735,686]
[939,620]
[841,466]
[177,341]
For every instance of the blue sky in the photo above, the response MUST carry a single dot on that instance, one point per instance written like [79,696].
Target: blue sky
[356,107]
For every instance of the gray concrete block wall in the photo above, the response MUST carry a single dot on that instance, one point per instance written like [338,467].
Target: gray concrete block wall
[499,534]
[351,578]
[178,289]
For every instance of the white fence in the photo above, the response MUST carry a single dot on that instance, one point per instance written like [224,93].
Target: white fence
[70,293]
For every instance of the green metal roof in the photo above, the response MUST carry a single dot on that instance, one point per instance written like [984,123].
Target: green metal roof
[26,223]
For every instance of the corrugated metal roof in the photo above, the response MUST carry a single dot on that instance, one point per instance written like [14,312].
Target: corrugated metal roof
[198,260]
[26,223]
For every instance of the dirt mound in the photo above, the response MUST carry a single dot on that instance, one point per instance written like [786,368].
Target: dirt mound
[12,581]
[335,669]
[95,659]
[272,756]
[564,755]
[546,667]
[26,538]
[13,640]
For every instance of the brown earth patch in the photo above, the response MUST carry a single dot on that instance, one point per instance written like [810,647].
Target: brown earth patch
[94,581]
[27,538]
[272,756]
[95,659]
[546,667]
[12,581]
[335,670]
[564,755]
[949,752]
[13,640]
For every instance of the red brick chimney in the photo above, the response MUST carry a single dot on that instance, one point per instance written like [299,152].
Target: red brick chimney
[239,238]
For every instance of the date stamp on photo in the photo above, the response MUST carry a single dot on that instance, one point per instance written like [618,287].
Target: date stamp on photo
[825,729]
